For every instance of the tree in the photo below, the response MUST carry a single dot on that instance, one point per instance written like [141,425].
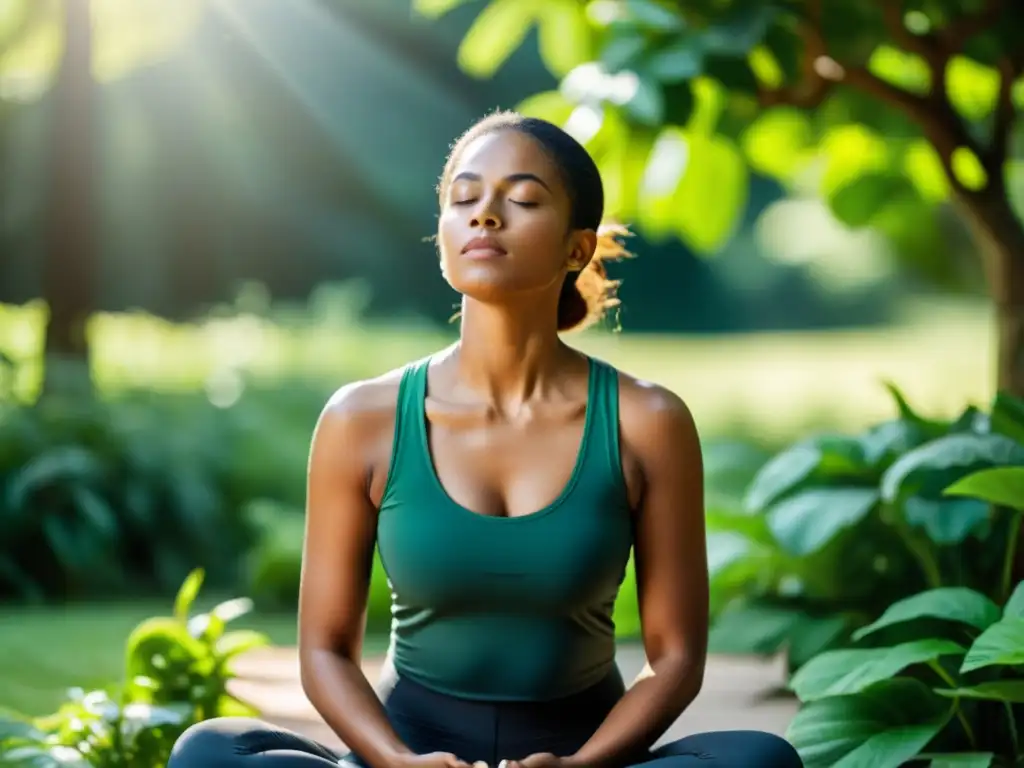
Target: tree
[66,47]
[891,107]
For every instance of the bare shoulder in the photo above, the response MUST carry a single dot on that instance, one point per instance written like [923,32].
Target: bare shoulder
[357,423]
[654,419]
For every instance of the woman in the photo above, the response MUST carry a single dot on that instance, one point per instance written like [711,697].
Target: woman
[505,481]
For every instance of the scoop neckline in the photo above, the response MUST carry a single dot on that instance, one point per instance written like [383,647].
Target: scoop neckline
[567,489]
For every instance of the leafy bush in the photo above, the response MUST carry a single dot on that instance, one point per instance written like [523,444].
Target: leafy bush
[939,676]
[176,674]
[99,497]
[836,528]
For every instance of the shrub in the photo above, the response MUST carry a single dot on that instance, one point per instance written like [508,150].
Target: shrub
[937,678]
[835,528]
[177,671]
[100,497]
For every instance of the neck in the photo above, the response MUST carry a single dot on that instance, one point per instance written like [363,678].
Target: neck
[507,352]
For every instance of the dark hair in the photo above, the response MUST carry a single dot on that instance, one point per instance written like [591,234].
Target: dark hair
[587,294]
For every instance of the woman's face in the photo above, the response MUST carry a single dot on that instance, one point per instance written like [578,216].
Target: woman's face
[504,224]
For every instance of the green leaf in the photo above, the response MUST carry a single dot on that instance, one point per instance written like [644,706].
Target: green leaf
[623,49]
[804,523]
[647,104]
[565,40]
[1002,643]
[948,603]
[680,60]
[946,521]
[752,628]
[187,594]
[881,727]
[856,202]
[779,143]
[725,548]
[1014,608]
[960,760]
[705,221]
[997,690]
[240,641]
[495,34]
[547,105]
[653,15]
[737,33]
[1002,486]
[780,475]
[930,428]
[851,670]
[434,9]
[967,452]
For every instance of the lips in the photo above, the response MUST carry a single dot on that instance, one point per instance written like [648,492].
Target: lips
[484,245]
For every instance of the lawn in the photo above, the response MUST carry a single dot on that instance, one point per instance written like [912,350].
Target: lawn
[45,651]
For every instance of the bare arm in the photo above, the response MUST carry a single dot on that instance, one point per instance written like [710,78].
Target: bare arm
[672,578]
[340,534]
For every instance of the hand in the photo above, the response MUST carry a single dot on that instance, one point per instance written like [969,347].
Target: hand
[432,760]
[539,760]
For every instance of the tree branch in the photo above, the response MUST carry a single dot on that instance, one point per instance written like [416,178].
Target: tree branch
[1003,120]
[813,87]
[927,46]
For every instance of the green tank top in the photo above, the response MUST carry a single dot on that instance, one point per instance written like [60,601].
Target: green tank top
[497,608]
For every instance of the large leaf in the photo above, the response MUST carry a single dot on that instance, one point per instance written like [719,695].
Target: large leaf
[807,521]
[496,33]
[957,604]
[946,521]
[1007,416]
[856,202]
[707,222]
[1015,605]
[831,456]
[1000,485]
[753,629]
[881,727]
[965,452]
[1002,644]
[851,670]
[565,40]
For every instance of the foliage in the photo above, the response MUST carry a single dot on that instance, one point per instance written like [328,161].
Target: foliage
[939,676]
[129,494]
[835,528]
[177,670]
[886,109]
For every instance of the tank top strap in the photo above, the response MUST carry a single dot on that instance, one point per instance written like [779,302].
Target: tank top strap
[604,399]
[408,462]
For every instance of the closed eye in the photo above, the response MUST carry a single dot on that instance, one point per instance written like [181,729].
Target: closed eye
[521,204]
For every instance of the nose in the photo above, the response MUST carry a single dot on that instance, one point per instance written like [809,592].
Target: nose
[486,218]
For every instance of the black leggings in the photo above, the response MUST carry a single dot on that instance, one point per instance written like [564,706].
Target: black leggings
[428,721]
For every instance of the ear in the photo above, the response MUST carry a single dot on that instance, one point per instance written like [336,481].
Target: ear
[582,246]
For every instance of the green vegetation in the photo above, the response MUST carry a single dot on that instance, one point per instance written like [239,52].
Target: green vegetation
[835,528]
[886,109]
[938,676]
[175,673]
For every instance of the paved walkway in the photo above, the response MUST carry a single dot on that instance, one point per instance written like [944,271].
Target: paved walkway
[738,693]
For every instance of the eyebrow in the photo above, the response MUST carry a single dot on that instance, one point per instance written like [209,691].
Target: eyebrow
[513,177]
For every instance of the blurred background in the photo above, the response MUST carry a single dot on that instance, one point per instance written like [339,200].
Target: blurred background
[222,206]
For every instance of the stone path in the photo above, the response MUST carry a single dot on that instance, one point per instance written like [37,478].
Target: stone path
[738,693]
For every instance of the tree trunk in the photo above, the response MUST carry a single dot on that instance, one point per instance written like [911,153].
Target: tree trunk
[70,259]
[1000,234]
